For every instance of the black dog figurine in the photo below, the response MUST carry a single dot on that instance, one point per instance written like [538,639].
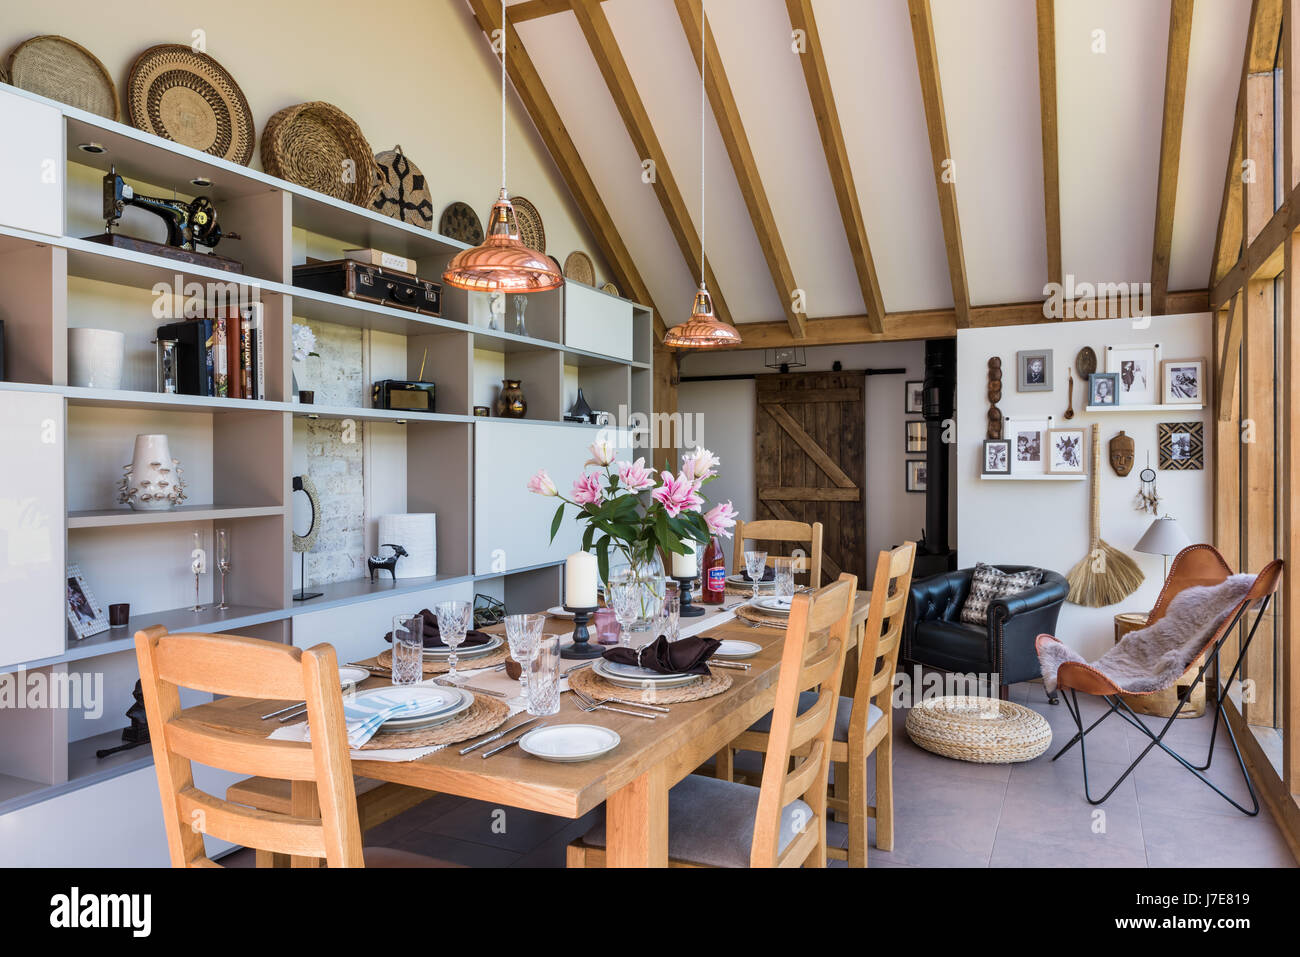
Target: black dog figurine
[389,563]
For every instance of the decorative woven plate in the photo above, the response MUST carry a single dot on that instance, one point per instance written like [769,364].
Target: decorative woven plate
[610,288]
[595,686]
[460,222]
[530,225]
[402,189]
[579,268]
[484,715]
[981,730]
[57,67]
[180,94]
[319,146]
[433,666]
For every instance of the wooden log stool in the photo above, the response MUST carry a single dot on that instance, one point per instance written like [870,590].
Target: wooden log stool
[1162,703]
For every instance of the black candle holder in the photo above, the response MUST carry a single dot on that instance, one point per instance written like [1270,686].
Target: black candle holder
[686,609]
[582,646]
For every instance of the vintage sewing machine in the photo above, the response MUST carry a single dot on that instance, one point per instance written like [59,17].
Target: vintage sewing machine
[189,225]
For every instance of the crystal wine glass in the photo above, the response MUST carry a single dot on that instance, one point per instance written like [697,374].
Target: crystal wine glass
[624,596]
[223,562]
[522,632]
[453,623]
[755,565]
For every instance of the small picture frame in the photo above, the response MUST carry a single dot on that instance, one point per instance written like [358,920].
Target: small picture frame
[1103,390]
[913,397]
[916,436]
[1138,368]
[1182,446]
[1034,370]
[84,613]
[916,475]
[996,457]
[1065,451]
[1182,382]
[1028,444]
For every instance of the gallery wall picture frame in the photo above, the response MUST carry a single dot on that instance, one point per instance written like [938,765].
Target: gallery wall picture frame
[913,397]
[1183,382]
[1064,452]
[1182,446]
[1103,389]
[1137,366]
[996,458]
[916,475]
[85,614]
[916,435]
[1028,444]
[1034,370]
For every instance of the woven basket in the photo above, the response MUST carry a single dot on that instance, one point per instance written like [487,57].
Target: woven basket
[319,146]
[65,71]
[980,730]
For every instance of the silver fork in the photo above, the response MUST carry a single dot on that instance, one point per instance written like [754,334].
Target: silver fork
[588,705]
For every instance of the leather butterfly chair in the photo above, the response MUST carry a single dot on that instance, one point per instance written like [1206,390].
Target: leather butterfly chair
[1194,565]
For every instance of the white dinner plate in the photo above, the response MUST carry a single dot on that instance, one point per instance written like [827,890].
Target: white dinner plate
[559,612]
[735,648]
[466,651]
[569,742]
[630,676]
[351,674]
[773,604]
[419,722]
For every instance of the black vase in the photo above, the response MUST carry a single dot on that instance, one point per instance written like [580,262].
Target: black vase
[580,408]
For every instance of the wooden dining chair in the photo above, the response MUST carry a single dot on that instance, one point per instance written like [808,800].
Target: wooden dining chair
[325,826]
[864,724]
[781,823]
[799,533]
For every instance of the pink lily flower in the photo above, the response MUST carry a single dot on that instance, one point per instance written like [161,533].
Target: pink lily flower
[677,494]
[634,476]
[541,484]
[721,519]
[586,490]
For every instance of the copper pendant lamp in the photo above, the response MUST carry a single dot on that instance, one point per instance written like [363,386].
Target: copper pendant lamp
[502,263]
[703,330]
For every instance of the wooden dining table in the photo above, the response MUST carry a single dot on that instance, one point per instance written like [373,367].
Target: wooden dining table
[632,781]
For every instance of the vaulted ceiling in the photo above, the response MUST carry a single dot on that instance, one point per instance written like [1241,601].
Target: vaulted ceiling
[623,76]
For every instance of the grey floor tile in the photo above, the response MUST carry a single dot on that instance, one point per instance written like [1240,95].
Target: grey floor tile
[1181,838]
[508,828]
[453,851]
[953,825]
[1165,784]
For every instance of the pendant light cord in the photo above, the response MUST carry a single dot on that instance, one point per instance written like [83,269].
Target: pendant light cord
[703,107]
[503,94]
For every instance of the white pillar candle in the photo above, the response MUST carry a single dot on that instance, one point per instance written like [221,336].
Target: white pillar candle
[684,565]
[580,577]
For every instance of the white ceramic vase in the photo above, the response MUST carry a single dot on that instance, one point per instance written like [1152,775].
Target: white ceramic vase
[153,481]
[95,358]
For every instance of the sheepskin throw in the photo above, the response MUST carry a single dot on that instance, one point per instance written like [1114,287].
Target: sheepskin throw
[1154,657]
[988,583]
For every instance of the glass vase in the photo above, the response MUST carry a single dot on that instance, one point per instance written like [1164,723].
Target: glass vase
[643,571]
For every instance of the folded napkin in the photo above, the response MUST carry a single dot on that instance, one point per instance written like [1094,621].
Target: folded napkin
[769,575]
[433,639]
[684,656]
[363,718]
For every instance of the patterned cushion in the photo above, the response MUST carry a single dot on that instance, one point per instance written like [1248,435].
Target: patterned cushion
[988,583]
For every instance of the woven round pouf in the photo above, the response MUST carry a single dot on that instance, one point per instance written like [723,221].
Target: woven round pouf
[981,730]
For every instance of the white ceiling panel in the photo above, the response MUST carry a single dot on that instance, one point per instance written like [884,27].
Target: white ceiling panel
[988,67]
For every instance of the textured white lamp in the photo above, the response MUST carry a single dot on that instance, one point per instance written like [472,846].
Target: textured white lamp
[1165,537]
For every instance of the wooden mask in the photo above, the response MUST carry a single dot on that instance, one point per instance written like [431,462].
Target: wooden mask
[1122,451]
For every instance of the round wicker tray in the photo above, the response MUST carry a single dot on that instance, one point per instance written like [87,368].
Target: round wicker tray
[578,267]
[980,730]
[319,146]
[433,667]
[402,191]
[62,70]
[593,685]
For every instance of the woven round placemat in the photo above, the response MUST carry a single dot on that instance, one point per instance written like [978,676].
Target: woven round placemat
[578,267]
[65,71]
[980,730]
[319,146]
[433,667]
[180,94]
[484,715]
[529,221]
[401,190]
[592,684]
[760,617]
[460,222]
[611,287]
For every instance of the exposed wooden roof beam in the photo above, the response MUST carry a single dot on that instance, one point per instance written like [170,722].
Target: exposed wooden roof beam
[1229,355]
[1051,141]
[945,180]
[818,79]
[1171,138]
[528,85]
[727,113]
[604,48]
[534,9]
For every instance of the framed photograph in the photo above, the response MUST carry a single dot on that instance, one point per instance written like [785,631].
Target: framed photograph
[1103,389]
[1182,382]
[1034,371]
[1028,451]
[1182,445]
[997,457]
[916,433]
[916,475]
[1137,367]
[84,613]
[1065,451]
[913,392]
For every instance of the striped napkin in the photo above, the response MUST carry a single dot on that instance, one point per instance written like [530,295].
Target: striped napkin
[364,717]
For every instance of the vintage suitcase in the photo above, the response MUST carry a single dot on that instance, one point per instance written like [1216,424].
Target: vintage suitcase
[345,277]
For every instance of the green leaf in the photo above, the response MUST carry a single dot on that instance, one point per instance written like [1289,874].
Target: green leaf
[555,522]
[602,558]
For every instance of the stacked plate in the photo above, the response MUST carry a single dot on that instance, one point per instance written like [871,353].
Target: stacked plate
[773,604]
[464,652]
[435,705]
[631,676]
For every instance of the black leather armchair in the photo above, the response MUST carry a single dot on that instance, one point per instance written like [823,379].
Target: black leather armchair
[935,635]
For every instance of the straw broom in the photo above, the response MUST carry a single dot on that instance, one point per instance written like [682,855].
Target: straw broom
[1105,575]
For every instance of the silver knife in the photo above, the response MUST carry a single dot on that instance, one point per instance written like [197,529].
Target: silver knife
[495,737]
[451,684]
[512,741]
[729,664]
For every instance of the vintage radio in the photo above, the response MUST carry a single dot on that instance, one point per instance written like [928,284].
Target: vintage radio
[346,277]
[403,396]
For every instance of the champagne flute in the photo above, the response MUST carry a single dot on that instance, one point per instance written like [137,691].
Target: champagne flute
[223,562]
[198,565]
[453,623]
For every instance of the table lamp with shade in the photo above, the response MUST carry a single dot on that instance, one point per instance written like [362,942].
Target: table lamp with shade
[1165,537]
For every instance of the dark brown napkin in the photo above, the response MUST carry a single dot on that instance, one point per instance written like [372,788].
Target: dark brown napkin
[432,638]
[769,575]
[685,656]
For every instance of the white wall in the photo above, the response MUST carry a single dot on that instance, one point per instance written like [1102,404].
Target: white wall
[727,427]
[1046,523]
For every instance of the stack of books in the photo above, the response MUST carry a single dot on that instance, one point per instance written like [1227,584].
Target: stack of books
[223,356]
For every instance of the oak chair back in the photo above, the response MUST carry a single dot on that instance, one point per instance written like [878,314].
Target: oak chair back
[248,668]
[798,762]
[882,635]
[799,533]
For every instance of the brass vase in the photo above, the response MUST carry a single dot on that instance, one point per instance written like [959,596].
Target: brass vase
[511,403]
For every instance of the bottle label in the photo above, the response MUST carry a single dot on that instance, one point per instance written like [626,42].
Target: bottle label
[717,579]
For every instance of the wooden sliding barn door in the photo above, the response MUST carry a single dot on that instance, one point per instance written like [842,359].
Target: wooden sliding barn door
[810,458]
